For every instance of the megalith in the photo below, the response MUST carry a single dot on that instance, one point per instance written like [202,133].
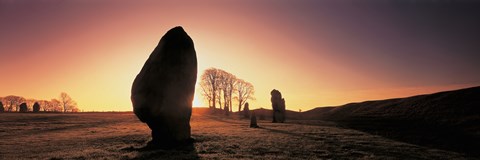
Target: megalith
[246,110]
[278,106]
[253,120]
[162,93]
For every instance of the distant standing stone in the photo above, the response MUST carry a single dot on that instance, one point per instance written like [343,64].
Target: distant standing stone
[246,110]
[278,106]
[253,120]
[162,93]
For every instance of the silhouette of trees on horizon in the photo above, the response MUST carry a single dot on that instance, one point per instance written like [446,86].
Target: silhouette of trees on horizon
[67,102]
[14,103]
[221,87]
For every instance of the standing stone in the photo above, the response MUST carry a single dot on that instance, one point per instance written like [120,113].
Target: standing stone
[162,93]
[246,110]
[278,106]
[253,121]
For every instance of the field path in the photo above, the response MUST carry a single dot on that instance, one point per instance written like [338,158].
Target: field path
[121,135]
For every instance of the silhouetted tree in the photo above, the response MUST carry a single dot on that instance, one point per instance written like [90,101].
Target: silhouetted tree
[56,105]
[23,107]
[227,112]
[1,107]
[13,102]
[43,105]
[67,102]
[209,86]
[246,111]
[36,107]
[219,87]
[30,103]
[227,82]
[219,97]
[244,91]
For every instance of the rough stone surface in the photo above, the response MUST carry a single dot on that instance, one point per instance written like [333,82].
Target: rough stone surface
[162,93]
[278,106]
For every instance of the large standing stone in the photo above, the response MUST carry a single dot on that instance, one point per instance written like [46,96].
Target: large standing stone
[278,106]
[162,92]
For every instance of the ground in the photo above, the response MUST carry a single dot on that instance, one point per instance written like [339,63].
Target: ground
[122,136]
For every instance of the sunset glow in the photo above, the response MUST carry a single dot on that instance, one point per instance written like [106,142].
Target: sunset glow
[316,54]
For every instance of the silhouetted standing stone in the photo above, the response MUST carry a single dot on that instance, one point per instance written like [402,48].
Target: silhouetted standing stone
[23,107]
[2,109]
[162,92]
[253,120]
[278,106]
[36,107]
[246,110]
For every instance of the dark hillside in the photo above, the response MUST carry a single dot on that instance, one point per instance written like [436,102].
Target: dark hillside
[446,119]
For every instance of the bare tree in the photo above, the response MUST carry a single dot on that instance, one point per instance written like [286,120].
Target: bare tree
[55,105]
[13,102]
[44,104]
[244,91]
[209,85]
[67,102]
[218,94]
[227,82]
[219,86]
[30,102]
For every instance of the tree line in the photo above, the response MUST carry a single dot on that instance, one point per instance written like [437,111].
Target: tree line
[221,87]
[13,103]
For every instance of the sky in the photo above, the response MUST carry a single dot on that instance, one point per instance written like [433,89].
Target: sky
[315,52]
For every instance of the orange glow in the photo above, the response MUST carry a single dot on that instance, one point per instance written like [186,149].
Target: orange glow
[93,51]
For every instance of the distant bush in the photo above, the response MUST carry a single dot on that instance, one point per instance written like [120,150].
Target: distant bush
[23,107]
[1,107]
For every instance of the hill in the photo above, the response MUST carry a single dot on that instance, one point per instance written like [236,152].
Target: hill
[446,119]
[454,107]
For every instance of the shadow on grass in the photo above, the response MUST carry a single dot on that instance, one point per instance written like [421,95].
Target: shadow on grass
[419,133]
[290,133]
[177,152]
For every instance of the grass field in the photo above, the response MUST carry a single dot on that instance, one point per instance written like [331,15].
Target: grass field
[122,135]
